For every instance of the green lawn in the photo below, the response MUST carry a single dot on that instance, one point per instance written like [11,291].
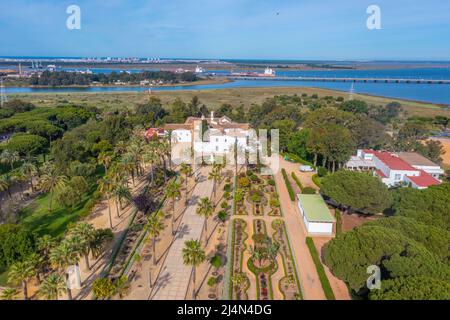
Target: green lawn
[37,216]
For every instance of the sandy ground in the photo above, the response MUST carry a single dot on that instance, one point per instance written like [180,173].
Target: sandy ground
[446,145]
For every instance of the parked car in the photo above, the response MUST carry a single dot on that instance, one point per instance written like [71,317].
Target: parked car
[306,168]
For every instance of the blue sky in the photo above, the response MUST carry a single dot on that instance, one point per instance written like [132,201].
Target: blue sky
[263,29]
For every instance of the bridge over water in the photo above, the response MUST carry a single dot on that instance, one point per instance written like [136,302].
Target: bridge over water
[329,79]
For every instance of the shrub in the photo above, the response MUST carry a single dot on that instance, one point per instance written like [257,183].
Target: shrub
[271,182]
[322,172]
[288,185]
[297,181]
[309,190]
[227,187]
[224,205]
[222,215]
[212,282]
[320,270]
[244,182]
[216,261]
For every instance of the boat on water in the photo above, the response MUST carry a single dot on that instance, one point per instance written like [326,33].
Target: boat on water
[268,72]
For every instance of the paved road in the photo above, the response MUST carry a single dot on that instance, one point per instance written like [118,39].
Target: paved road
[174,278]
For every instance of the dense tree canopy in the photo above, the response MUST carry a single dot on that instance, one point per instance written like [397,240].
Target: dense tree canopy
[16,243]
[26,144]
[412,288]
[357,191]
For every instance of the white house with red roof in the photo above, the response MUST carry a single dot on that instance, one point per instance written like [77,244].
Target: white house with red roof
[393,170]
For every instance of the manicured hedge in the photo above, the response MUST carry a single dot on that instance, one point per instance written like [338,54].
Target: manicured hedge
[316,179]
[320,270]
[288,185]
[297,181]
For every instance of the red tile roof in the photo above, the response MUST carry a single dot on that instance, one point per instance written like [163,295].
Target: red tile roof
[380,173]
[424,180]
[394,163]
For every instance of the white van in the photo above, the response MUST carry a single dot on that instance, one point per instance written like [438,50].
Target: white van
[305,168]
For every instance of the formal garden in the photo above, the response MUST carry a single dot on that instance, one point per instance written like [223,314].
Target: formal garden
[256,194]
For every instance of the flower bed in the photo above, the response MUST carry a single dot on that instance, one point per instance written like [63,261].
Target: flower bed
[289,285]
[239,247]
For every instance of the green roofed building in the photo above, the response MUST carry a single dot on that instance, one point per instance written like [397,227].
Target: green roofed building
[316,215]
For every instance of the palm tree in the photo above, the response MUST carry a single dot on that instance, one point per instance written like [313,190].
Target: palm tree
[193,255]
[173,192]
[154,228]
[121,192]
[52,287]
[29,170]
[214,175]
[105,160]
[127,163]
[105,187]
[9,294]
[22,272]
[151,157]
[62,257]
[257,254]
[85,232]
[101,237]
[39,264]
[205,209]
[187,171]
[9,157]
[52,181]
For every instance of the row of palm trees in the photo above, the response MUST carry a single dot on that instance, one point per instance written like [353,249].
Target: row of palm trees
[49,265]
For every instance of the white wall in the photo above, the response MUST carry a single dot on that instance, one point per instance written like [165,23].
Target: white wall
[181,135]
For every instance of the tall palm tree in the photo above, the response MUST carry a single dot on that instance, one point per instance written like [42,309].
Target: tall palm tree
[62,257]
[205,209]
[9,294]
[173,192]
[214,175]
[39,264]
[105,160]
[121,192]
[105,187]
[9,157]
[52,287]
[101,237]
[151,157]
[193,255]
[51,181]
[154,228]
[22,272]
[85,232]
[187,171]
[127,163]
[29,169]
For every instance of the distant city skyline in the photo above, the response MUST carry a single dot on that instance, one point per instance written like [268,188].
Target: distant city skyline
[228,29]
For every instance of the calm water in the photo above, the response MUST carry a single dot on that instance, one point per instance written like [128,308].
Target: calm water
[420,92]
